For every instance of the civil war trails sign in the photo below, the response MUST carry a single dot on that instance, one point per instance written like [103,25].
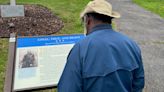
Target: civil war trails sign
[39,61]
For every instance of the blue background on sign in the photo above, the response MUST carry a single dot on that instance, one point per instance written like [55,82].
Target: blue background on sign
[48,40]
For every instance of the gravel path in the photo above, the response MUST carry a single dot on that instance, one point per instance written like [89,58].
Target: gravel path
[148,30]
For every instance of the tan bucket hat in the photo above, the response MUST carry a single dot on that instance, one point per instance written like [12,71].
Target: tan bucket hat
[101,7]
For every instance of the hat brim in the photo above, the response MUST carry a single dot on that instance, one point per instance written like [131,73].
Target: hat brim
[114,13]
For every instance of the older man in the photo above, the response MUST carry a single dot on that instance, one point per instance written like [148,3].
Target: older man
[105,61]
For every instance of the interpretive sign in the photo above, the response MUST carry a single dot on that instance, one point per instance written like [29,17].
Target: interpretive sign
[12,10]
[39,61]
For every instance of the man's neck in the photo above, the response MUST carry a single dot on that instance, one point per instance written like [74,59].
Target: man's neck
[96,24]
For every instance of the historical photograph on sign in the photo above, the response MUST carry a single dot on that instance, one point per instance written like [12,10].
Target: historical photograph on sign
[28,59]
[27,63]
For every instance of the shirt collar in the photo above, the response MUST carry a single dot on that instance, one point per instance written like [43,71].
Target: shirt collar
[101,27]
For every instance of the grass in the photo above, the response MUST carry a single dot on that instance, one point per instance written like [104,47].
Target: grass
[67,10]
[3,59]
[156,6]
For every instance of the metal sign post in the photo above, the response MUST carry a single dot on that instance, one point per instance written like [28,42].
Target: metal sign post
[10,64]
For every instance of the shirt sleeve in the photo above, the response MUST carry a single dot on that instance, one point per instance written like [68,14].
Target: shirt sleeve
[138,75]
[71,80]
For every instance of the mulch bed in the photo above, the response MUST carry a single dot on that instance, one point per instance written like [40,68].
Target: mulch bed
[38,20]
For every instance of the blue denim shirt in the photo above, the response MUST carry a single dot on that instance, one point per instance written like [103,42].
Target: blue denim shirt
[105,61]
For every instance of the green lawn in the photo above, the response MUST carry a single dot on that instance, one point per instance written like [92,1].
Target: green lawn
[67,10]
[3,58]
[156,6]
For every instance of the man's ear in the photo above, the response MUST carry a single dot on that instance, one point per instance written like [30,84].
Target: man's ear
[88,20]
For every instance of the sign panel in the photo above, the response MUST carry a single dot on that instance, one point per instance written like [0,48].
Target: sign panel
[12,10]
[41,60]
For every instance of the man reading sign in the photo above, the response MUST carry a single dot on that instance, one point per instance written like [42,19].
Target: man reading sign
[105,61]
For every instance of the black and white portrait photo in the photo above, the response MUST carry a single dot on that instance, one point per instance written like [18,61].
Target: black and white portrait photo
[28,59]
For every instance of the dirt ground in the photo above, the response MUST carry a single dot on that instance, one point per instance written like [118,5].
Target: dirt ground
[38,20]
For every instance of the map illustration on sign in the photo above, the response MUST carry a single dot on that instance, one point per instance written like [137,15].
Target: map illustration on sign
[41,60]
